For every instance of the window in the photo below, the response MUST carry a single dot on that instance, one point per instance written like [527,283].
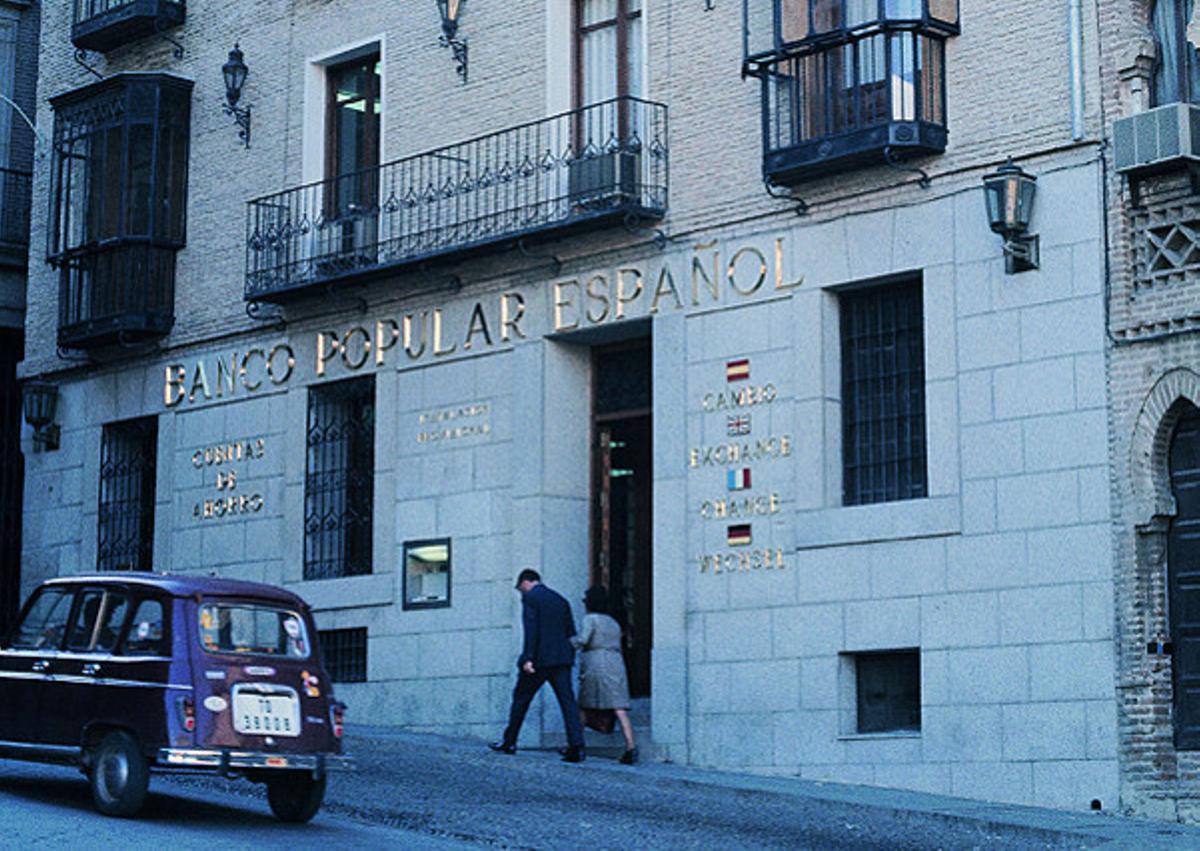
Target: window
[117,209]
[146,631]
[128,455]
[253,630]
[608,39]
[45,623]
[1177,69]
[888,691]
[345,654]
[883,394]
[352,133]
[836,71]
[427,574]
[98,621]
[338,486]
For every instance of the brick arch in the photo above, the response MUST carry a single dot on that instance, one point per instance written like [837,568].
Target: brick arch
[1151,441]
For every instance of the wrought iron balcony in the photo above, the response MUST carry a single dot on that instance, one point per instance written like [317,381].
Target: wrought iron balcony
[851,90]
[599,164]
[104,24]
[15,189]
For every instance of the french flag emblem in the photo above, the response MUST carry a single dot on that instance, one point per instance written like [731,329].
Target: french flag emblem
[738,480]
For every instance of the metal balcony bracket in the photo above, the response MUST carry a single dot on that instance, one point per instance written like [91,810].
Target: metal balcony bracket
[81,58]
[709,5]
[774,192]
[71,355]
[263,312]
[458,49]
[160,28]
[893,160]
[633,224]
[555,263]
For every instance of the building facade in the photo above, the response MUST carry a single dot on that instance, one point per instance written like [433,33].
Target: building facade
[427,314]
[18,50]
[1154,305]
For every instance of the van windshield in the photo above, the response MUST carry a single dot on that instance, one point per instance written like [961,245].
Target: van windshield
[255,630]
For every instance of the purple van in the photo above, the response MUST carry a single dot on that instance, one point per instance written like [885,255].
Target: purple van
[124,674]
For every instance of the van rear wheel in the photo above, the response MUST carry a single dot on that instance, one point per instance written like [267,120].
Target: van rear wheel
[118,775]
[295,796]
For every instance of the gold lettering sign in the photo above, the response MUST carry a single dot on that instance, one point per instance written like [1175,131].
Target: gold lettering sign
[222,457]
[740,452]
[448,423]
[735,507]
[742,561]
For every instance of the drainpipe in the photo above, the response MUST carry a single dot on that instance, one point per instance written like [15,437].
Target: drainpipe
[1075,27]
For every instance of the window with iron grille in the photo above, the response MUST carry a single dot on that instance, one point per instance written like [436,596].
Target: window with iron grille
[118,206]
[888,691]
[339,483]
[345,654]
[128,454]
[883,394]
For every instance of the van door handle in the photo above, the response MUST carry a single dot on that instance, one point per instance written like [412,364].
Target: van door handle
[91,668]
[40,666]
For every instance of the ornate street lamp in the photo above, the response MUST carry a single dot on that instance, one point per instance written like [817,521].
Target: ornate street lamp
[450,10]
[235,72]
[1009,194]
[40,400]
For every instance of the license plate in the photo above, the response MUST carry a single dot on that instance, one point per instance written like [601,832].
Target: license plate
[266,714]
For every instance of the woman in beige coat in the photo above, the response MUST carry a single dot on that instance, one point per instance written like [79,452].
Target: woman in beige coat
[602,680]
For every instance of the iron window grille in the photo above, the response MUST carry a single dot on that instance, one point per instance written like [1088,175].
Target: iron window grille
[604,162]
[15,196]
[117,206]
[344,652]
[339,483]
[128,456]
[883,394]
[847,81]
[888,691]
[104,24]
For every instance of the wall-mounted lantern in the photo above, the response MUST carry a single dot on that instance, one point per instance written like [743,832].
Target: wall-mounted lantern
[450,10]
[235,72]
[1009,194]
[40,401]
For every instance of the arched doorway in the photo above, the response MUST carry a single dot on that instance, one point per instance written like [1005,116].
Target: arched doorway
[1183,577]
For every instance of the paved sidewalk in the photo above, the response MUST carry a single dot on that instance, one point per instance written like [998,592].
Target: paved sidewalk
[914,814]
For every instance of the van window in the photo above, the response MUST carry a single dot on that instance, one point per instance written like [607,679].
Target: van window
[98,620]
[146,631]
[253,629]
[46,622]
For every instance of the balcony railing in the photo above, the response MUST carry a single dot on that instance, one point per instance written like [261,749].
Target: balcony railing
[587,166]
[876,95]
[15,189]
[104,24]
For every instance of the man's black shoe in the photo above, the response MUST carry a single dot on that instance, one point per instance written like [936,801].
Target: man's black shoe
[573,754]
[503,747]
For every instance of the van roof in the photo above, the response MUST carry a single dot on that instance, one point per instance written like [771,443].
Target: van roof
[186,586]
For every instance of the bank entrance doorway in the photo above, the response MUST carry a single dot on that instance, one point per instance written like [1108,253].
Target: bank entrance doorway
[622,496]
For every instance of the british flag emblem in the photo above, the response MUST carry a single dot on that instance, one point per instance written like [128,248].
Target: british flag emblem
[737,425]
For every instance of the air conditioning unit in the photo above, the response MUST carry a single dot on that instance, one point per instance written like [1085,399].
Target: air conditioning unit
[347,244]
[1157,140]
[605,179]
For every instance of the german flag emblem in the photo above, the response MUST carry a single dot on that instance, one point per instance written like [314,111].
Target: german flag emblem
[739,535]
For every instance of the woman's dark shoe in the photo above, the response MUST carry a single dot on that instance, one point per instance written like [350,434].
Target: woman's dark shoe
[629,757]
[573,754]
[503,747]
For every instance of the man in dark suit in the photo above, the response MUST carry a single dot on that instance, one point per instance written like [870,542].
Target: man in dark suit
[547,656]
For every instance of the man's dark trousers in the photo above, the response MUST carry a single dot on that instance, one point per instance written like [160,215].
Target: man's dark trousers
[527,686]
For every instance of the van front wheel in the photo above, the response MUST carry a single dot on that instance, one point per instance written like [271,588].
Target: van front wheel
[118,775]
[295,796]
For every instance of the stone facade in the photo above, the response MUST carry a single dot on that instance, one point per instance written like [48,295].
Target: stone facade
[1001,578]
[1154,293]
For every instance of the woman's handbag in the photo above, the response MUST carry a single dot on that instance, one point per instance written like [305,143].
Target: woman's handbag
[600,720]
